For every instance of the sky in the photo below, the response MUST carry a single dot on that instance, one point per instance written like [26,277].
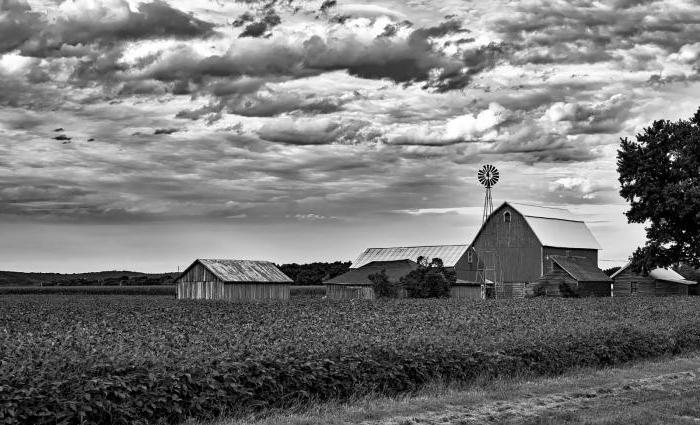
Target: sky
[141,135]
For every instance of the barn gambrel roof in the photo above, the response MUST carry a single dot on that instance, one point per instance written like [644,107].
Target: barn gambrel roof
[243,271]
[556,227]
[449,254]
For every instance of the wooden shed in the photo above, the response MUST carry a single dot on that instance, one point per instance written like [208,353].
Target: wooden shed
[232,280]
[355,284]
[576,274]
[659,282]
[513,247]
[463,290]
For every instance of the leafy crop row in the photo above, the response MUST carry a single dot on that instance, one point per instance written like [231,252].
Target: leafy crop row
[88,359]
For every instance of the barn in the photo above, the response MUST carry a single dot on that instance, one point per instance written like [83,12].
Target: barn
[659,282]
[355,284]
[232,280]
[567,276]
[515,245]
[398,262]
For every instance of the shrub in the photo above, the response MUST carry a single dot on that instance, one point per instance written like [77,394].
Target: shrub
[383,288]
[429,280]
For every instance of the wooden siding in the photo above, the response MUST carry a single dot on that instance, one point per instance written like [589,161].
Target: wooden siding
[466,292]
[198,273]
[551,283]
[515,250]
[590,254]
[349,292]
[646,286]
[232,291]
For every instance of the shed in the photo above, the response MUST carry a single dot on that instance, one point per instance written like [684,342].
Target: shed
[515,244]
[576,274]
[232,280]
[659,282]
[355,284]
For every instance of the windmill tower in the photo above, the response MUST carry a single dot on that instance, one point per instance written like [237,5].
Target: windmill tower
[488,177]
[487,270]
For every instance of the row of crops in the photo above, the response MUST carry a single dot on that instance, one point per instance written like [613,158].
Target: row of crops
[118,359]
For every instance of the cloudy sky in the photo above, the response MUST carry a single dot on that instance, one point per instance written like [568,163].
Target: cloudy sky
[141,135]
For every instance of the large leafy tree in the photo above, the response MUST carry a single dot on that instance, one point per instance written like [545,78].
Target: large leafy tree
[660,178]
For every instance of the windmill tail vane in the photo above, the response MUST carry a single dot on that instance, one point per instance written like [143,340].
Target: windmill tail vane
[488,176]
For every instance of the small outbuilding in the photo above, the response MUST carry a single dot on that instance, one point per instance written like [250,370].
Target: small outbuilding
[572,275]
[232,280]
[355,284]
[659,282]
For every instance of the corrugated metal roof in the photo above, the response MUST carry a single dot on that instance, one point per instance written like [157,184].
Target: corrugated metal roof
[245,271]
[395,270]
[557,227]
[556,213]
[449,254]
[669,275]
[581,269]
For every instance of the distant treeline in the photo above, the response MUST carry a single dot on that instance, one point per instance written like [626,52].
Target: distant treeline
[313,273]
[106,278]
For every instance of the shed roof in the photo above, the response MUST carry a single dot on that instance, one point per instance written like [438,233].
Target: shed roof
[449,254]
[556,227]
[395,270]
[580,268]
[243,270]
[659,273]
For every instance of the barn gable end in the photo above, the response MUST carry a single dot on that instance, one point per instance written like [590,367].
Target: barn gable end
[518,240]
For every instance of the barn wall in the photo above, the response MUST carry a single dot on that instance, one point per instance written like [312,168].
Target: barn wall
[514,248]
[664,288]
[200,290]
[462,268]
[255,291]
[590,254]
[348,292]
[622,284]
[466,292]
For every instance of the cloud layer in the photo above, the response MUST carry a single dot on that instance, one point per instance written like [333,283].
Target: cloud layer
[311,111]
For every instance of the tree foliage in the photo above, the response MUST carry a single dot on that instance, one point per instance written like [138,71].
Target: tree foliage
[383,287]
[659,174]
[429,280]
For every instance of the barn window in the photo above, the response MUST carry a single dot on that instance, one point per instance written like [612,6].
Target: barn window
[506,217]
[633,287]
[470,257]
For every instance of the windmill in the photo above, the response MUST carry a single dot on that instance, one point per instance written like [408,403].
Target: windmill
[488,177]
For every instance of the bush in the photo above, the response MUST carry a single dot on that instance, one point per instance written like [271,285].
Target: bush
[429,280]
[383,288]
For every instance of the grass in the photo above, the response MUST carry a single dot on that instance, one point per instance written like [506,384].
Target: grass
[679,405]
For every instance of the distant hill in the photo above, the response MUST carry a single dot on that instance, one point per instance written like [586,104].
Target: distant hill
[107,278]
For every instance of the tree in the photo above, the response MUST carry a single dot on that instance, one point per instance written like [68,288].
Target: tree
[659,174]
[428,280]
[383,288]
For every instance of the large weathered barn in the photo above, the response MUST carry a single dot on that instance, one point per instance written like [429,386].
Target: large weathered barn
[515,244]
[233,280]
[573,276]
[659,282]
[399,261]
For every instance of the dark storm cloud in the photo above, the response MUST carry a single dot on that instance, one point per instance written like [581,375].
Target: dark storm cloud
[402,61]
[17,24]
[151,20]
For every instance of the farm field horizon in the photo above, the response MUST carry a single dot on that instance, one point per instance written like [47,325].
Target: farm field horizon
[105,359]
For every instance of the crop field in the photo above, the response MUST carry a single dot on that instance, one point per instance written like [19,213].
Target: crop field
[119,359]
